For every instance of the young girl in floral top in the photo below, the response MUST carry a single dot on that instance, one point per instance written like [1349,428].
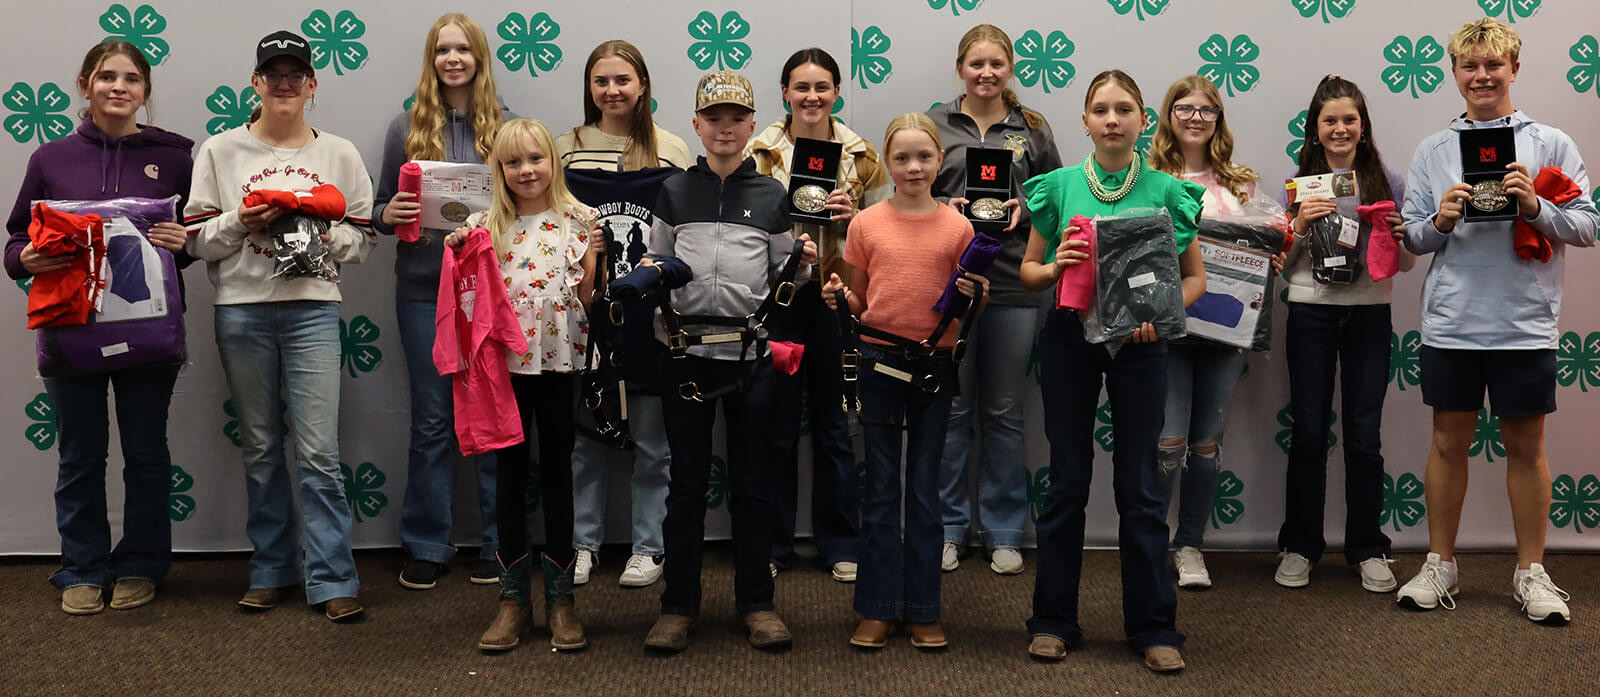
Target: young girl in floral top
[542,238]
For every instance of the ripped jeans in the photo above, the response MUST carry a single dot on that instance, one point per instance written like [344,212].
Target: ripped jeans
[1200,382]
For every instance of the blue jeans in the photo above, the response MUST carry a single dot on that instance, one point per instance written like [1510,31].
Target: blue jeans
[145,551]
[430,463]
[282,361]
[1201,378]
[1354,339]
[899,580]
[651,462]
[994,378]
[1136,382]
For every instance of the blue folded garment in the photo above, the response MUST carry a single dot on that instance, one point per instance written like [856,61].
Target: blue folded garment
[1218,308]
[668,272]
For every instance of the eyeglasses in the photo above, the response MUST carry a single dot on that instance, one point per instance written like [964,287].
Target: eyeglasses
[1186,112]
[294,80]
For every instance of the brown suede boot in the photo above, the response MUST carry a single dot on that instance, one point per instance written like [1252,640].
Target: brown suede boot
[566,633]
[506,631]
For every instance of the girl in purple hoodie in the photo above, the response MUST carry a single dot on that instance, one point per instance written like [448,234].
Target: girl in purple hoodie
[110,156]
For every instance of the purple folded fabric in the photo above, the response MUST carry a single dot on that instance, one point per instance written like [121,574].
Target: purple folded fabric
[977,259]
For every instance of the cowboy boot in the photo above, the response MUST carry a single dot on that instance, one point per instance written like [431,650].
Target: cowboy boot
[566,633]
[516,583]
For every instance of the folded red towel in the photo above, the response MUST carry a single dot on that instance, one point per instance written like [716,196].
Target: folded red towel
[1554,186]
[324,201]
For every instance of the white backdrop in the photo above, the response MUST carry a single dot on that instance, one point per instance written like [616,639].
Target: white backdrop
[899,56]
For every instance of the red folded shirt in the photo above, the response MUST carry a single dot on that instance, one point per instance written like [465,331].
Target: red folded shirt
[66,296]
[1554,186]
[324,201]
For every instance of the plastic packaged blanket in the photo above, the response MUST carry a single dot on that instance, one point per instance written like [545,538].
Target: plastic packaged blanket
[1137,279]
[298,248]
[1236,309]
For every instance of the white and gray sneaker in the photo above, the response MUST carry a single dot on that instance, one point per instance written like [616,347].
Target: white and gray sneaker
[642,570]
[1376,576]
[1191,565]
[844,571]
[1435,584]
[582,565]
[1294,570]
[950,559]
[1005,561]
[1544,602]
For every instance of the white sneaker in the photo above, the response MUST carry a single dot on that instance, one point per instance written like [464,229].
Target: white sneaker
[1191,565]
[1540,598]
[1005,561]
[844,571]
[1435,584]
[949,559]
[1376,576]
[1294,570]
[772,567]
[582,566]
[642,570]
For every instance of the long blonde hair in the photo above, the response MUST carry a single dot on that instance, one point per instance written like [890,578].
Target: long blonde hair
[1165,155]
[425,141]
[519,138]
[915,121]
[998,37]
[641,152]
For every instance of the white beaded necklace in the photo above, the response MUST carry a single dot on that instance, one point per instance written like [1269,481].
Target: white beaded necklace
[1099,190]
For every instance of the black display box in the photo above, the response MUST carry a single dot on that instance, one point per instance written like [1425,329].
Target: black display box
[988,188]
[813,174]
[1486,157]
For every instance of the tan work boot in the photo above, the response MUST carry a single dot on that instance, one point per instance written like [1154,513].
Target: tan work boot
[82,600]
[566,634]
[872,634]
[767,630]
[670,633]
[506,631]
[1163,659]
[927,635]
[261,599]
[343,610]
[1047,647]
[129,593]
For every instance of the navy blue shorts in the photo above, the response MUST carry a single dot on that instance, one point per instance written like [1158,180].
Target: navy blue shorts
[1520,383]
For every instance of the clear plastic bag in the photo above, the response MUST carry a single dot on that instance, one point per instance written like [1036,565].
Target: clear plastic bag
[1337,244]
[142,213]
[1236,309]
[298,248]
[1137,278]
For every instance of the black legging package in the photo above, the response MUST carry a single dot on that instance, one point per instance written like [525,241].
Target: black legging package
[1137,279]
[1333,262]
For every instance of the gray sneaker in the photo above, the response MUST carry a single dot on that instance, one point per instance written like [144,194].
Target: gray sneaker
[1376,576]
[1544,602]
[1435,584]
[1294,570]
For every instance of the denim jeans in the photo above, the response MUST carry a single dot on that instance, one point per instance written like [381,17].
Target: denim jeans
[1201,378]
[1136,382]
[425,519]
[1354,339]
[744,484]
[591,461]
[143,395]
[993,380]
[282,361]
[545,403]
[899,580]
[835,515]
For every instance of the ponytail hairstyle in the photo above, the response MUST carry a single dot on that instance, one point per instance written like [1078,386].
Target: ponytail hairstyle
[1371,179]
[425,140]
[998,37]
[809,56]
[915,121]
[519,138]
[641,151]
[1165,155]
[97,56]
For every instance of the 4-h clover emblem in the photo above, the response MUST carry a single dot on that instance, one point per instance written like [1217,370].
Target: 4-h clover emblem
[1228,64]
[1405,362]
[34,114]
[42,432]
[179,504]
[1402,501]
[333,40]
[1285,438]
[1038,492]
[24,284]
[363,490]
[139,28]
[1148,135]
[1486,437]
[1575,503]
[1336,8]
[1578,361]
[1226,508]
[356,352]
[530,42]
[1584,76]
[1105,434]
[1297,131]
[1510,9]
[230,429]
[956,6]
[231,107]
[1413,65]
[719,487]
[1043,60]
[1139,7]
[718,41]
[838,106]
[868,64]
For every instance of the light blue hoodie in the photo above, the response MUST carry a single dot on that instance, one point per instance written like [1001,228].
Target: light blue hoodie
[1478,293]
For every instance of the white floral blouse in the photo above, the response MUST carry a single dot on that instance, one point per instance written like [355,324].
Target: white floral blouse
[542,266]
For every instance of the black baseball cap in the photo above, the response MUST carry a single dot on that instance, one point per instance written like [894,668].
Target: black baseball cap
[283,43]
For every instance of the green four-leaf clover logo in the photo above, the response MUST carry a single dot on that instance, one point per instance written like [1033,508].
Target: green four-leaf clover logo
[1148,135]
[1405,362]
[333,40]
[1413,64]
[530,42]
[718,41]
[719,487]
[868,64]
[179,504]
[231,107]
[1139,7]
[34,114]
[356,352]
[230,429]
[1285,438]
[1402,501]
[1038,492]
[1105,434]
[1486,437]
[139,28]
[363,490]
[956,6]
[1228,64]
[1226,508]
[1042,60]
[1335,8]
[1578,361]
[1510,9]
[1584,76]
[1575,503]
[42,432]
[1297,131]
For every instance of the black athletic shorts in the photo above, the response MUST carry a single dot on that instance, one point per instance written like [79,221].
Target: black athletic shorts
[1520,383]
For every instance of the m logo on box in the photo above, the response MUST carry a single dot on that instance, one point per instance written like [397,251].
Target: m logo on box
[814,164]
[987,173]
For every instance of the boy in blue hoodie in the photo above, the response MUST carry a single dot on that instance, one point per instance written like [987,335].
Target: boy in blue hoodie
[1490,310]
